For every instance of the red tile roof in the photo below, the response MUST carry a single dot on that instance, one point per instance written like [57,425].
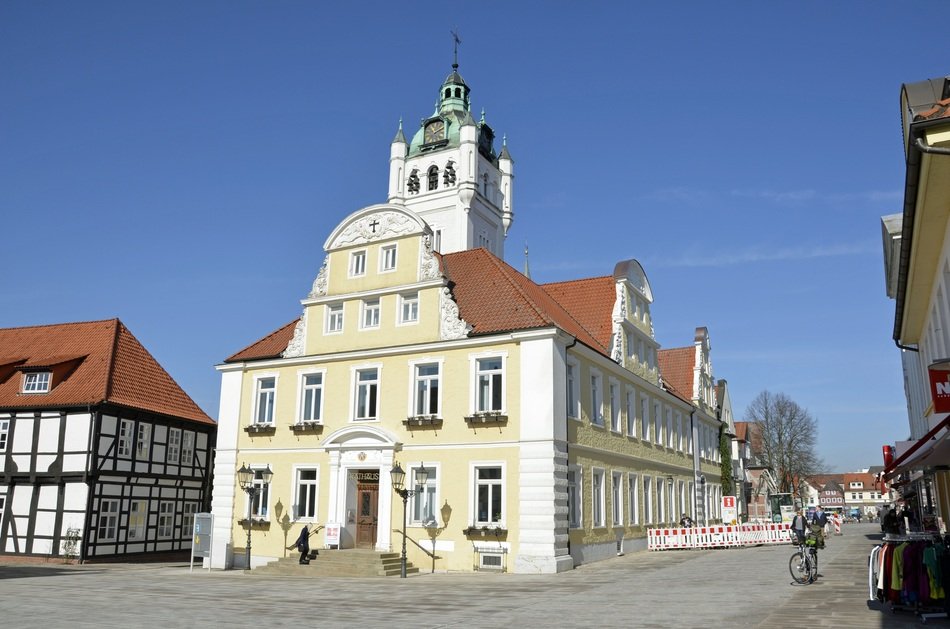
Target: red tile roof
[676,367]
[102,362]
[493,298]
[941,109]
[590,301]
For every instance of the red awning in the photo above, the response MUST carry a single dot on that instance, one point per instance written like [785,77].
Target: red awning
[929,451]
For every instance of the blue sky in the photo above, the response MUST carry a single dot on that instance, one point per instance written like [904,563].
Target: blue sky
[179,165]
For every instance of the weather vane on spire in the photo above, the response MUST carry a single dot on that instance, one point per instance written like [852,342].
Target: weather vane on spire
[458,40]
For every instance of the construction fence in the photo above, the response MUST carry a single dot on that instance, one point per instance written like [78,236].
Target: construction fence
[719,536]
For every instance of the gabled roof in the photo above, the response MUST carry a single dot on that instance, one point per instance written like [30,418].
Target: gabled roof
[590,301]
[495,298]
[92,362]
[676,367]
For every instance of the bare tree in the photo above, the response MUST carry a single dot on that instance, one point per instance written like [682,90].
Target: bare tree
[784,439]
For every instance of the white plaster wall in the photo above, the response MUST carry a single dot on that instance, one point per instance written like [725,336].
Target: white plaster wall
[225,467]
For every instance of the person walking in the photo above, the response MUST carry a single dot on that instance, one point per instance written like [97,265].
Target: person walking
[303,545]
[818,526]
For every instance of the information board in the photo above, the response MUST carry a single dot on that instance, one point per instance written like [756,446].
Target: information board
[201,543]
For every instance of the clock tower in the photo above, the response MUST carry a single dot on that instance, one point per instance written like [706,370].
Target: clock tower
[451,176]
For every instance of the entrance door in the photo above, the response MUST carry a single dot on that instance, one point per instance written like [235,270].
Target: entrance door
[367,496]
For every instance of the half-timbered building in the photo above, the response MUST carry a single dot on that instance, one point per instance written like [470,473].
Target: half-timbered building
[102,454]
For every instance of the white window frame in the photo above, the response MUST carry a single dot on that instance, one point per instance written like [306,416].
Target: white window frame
[598,503]
[312,486]
[410,302]
[258,506]
[414,384]
[37,381]
[613,391]
[188,511]
[644,417]
[596,398]
[575,496]
[657,422]
[648,510]
[264,415]
[387,258]
[138,520]
[358,263]
[477,372]
[173,447]
[123,443]
[358,384]
[310,390]
[475,482]
[669,426]
[107,525]
[334,319]
[630,408]
[371,311]
[166,519]
[678,441]
[633,498]
[143,440]
[4,434]
[187,447]
[424,507]
[572,385]
[662,508]
[616,503]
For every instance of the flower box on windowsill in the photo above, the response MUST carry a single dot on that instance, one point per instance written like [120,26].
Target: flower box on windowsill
[485,531]
[260,523]
[307,427]
[260,429]
[422,420]
[486,417]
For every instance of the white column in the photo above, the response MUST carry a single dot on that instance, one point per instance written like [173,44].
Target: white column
[225,470]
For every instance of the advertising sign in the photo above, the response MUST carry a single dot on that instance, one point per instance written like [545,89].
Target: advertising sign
[201,543]
[331,535]
[730,515]
[940,385]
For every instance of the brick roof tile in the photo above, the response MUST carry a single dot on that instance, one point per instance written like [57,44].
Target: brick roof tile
[111,366]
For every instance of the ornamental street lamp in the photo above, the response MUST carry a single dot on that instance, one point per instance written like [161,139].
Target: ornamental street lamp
[398,478]
[702,485]
[246,478]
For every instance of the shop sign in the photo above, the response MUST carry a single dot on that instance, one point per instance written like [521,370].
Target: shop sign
[940,385]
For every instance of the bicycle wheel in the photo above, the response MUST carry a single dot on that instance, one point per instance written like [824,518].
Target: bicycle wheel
[813,564]
[799,567]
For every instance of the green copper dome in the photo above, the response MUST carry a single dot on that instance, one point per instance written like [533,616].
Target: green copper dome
[452,112]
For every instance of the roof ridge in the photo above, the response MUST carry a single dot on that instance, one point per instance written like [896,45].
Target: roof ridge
[575,281]
[60,325]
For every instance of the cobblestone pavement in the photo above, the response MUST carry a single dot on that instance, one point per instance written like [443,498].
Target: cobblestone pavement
[749,587]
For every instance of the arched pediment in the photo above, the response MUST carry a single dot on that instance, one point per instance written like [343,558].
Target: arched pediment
[361,436]
[373,223]
[632,272]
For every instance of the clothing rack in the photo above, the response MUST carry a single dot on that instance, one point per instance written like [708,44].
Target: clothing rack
[911,572]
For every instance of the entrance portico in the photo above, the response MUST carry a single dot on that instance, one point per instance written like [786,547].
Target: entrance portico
[361,490]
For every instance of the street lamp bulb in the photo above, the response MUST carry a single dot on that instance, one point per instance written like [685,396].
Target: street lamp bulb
[398,476]
[245,476]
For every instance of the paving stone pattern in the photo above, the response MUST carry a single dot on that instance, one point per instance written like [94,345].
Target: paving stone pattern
[749,587]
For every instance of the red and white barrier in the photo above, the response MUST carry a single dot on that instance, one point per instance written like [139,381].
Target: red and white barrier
[719,536]
[836,520]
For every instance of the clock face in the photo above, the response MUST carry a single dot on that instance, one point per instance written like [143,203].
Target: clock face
[434,132]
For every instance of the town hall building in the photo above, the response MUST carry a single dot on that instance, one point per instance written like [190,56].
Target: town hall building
[548,435]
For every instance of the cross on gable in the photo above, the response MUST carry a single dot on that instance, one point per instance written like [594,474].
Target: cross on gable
[374,225]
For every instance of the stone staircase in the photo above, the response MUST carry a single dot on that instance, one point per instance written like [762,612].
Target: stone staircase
[352,562]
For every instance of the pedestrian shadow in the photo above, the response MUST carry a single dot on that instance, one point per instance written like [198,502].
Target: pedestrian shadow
[28,572]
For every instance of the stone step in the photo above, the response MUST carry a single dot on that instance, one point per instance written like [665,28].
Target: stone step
[345,563]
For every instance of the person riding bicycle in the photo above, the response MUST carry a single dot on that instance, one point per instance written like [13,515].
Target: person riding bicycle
[799,526]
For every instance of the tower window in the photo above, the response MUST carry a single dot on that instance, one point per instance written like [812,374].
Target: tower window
[458,92]
[433,176]
[448,92]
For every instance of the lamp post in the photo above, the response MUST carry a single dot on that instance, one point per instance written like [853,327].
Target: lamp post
[702,486]
[246,482]
[399,478]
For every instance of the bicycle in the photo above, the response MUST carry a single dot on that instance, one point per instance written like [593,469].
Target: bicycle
[804,564]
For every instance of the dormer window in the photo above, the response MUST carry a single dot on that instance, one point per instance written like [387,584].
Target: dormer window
[36,382]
